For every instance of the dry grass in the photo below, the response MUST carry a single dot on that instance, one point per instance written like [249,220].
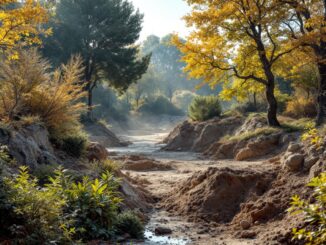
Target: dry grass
[29,90]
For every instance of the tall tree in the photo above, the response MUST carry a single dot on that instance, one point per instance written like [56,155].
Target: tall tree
[104,33]
[307,25]
[236,39]
[20,22]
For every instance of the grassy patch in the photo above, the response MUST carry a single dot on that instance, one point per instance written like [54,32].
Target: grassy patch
[290,125]
[252,134]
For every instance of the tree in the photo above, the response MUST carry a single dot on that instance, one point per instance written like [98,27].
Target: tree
[20,23]
[236,40]
[306,24]
[104,33]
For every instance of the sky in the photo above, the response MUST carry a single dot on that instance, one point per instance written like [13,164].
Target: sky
[162,17]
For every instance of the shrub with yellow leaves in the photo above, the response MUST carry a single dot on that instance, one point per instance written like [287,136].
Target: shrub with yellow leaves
[301,107]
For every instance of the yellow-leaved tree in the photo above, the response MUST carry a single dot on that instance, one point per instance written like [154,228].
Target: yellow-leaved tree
[237,41]
[306,23]
[21,23]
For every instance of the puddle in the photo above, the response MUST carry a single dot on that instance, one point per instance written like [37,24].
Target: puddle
[152,239]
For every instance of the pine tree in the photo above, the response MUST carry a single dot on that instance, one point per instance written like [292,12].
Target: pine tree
[104,33]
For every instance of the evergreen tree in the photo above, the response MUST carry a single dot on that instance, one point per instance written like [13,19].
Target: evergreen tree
[104,33]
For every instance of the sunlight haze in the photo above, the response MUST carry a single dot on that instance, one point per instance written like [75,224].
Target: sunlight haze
[162,17]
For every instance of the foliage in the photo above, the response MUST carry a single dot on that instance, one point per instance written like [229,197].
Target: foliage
[128,222]
[75,144]
[301,107]
[20,24]
[237,44]
[62,211]
[39,212]
[28,88]
[104,33]
[252,134]
[313,136]
[160,106]
[94,206]
[203,108]
[314,232]
[44,172]
[105,166]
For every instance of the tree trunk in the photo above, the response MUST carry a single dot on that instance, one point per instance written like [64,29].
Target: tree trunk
[90,104]
[255,101]
[272,106]
[321,99]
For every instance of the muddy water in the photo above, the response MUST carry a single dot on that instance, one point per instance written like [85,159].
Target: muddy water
[148,144]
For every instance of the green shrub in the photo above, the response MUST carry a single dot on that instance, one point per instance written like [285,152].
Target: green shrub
[160,106]
[128,222]
[62,211]
[36,214]
[75,145]
[203,108]
[314,232]
[94,205]
[44,172]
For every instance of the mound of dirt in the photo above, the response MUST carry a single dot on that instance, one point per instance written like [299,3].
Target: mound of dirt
[134,197]
[101,134]
[216,194]
[142,164]
[198,136]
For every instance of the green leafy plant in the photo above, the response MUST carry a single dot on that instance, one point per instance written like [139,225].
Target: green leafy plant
[203,108]
[128,222]
[314,231]
[94,205]
[38,212]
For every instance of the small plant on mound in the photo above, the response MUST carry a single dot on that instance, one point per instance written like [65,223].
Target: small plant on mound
[314,231]
[128,222]
[203,108]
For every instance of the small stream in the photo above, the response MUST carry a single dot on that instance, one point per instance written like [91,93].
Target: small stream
[148,144]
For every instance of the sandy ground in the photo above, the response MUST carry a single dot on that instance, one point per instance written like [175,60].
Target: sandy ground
[160,183]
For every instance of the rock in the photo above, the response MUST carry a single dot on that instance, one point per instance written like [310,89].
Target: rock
[29,145]
[294,162]
[96,152]
[248,234]
[263,213]
[259,147]
[161,230]
[245,224]
[317,169]
[294,147]
[310,161]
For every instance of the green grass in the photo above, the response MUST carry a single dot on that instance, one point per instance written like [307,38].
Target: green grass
[252,134]
[290,125]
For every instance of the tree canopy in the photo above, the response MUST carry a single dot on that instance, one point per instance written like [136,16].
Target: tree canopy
[237,41]
[20,23]
[104,33]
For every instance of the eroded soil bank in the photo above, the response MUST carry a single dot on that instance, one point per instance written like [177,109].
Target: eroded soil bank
[176,169]
[203,199]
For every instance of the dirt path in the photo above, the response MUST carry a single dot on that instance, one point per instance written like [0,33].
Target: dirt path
[160,183]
